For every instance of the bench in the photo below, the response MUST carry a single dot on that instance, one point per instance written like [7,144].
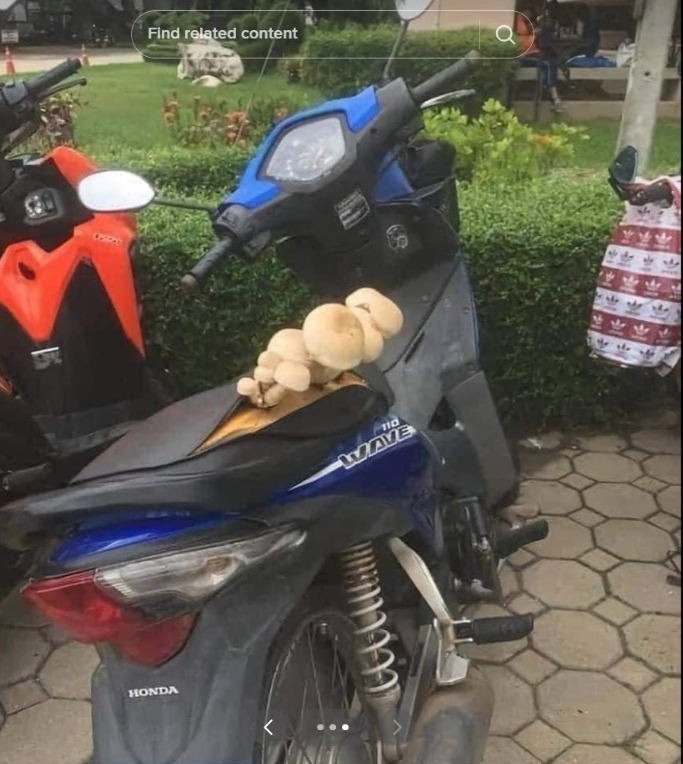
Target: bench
[669,107]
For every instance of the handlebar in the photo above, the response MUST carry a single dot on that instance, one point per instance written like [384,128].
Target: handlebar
[192,280]
[19,99]
[435,85]
[38,86]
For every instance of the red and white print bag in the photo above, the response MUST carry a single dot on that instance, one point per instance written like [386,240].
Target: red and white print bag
[636,317]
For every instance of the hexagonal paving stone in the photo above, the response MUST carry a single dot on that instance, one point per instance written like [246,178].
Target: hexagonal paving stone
[633,540]
[614,611]
[648,483]
[524,603]
[566,540]
[15,612]
[576,640]
[532,667]
[635,454]
[665,468]
[514,706]
[667,523]
[599,560]
[68,671]
[21,652]
[657,441]
[21,695]
[545,466]
[656,639]
[588,518]
[656,749]
[645,587]
[669,500]
[606,443]
[563,584]
[608,468]
[502,750]
[574,480]
[663,705]
[633,674]
[551,497]
[590,708]
[617,500]
[39,734]
[543,741]
[596,754]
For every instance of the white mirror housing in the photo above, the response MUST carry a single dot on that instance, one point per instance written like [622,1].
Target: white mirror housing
[409,10]
[115,191]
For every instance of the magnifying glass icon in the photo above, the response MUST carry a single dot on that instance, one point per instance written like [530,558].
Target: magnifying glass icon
[504,33]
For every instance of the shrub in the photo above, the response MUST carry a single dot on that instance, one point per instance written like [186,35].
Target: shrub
[211,171]
[496,147]
[533,251]
[341,61]
[206,123]
[57,116]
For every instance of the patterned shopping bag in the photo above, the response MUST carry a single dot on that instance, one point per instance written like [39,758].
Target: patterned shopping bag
[636,317]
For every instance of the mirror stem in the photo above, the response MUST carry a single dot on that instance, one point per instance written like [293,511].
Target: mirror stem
[386,74]
[184,205]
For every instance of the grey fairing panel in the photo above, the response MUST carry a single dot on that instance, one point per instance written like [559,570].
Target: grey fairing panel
[219,674]
[219,677]
[444,341]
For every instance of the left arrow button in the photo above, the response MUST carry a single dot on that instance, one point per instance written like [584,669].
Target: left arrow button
[265,727]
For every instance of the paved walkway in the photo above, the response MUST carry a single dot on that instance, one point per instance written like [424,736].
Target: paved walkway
[41,58]
[598,682]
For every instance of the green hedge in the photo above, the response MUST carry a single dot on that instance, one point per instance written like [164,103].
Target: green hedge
[533,251]
[339,61]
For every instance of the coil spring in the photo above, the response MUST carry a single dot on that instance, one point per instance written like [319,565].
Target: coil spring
[364,594]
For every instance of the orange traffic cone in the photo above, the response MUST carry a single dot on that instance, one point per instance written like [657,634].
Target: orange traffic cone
[10,69]
[85,61]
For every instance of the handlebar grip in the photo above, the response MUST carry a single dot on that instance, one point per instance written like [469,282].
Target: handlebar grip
[192,280]
[435,85]
[43,82]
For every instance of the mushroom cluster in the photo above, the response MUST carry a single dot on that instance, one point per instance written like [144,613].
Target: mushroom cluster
[334,338]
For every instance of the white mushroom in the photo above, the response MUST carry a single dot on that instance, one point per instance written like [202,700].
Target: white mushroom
[293,376]
[248,387]
[385,313]
[334,337]
[374,343]
[289,345]
[273,396]
[269,359]
[321,375]
[264,375]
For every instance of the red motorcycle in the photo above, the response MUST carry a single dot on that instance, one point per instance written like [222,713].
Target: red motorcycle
[73,365]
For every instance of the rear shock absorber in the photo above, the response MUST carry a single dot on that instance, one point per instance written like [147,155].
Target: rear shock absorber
[364,595]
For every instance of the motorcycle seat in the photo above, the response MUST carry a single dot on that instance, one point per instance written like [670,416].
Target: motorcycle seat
[188,455]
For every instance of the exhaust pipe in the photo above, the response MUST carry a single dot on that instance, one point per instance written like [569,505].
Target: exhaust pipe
[453,724]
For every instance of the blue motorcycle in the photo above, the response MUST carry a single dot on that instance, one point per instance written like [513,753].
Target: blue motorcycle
[290,594]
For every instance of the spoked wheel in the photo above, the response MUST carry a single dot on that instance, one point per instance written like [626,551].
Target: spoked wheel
[311,694]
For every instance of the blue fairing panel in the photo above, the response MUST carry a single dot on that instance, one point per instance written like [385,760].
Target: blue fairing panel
[254,192]
[392,183]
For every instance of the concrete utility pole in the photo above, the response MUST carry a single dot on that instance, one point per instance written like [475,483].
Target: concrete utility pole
[638,121]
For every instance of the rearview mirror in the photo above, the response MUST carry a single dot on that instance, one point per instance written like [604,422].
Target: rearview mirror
[624,168]
[409,10]
[115,191]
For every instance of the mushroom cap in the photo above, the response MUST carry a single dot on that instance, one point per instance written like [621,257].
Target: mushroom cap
[269,359]
[264,375]
[374,342]
[273,396]
[248,387]
[385,313]
[289,345]
[293,376]
[334,337]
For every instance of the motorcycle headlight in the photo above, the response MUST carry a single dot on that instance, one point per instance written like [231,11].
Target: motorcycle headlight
[308,152]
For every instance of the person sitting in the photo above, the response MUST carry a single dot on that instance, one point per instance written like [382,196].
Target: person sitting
[589,43]
[536,54]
